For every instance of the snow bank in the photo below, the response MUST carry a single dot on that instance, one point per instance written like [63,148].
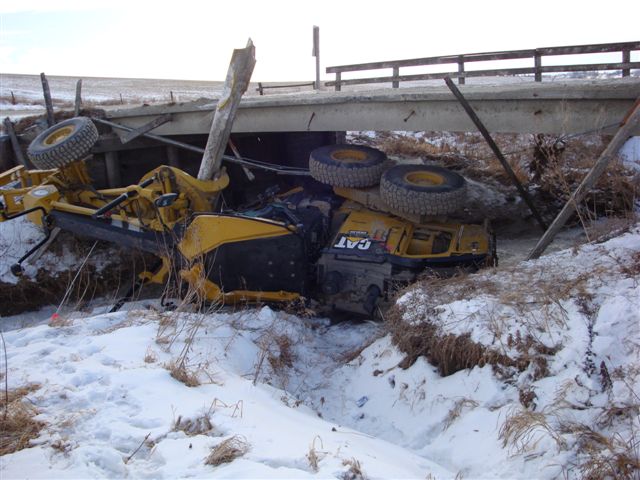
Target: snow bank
[105,389]
[316,400]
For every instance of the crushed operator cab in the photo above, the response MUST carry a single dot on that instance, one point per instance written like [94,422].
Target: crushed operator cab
[372,254]
[349,248]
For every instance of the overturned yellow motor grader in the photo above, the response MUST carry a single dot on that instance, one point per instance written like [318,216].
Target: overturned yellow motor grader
[347,248]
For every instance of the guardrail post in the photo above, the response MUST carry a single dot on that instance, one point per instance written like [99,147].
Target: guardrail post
[338,81]
[396,74]
[626,58]
[537,59]
[461,70]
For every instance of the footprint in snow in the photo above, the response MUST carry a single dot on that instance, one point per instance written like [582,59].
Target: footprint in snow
[84,378]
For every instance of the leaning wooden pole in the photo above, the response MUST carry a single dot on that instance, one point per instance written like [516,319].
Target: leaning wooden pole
[629,124]
[51,120]
[496,150]
[238,76]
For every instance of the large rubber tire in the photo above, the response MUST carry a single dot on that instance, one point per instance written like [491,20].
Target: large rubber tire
[423,189]
[351,166]
[64,143]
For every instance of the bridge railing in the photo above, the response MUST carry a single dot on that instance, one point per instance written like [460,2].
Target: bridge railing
[536,55]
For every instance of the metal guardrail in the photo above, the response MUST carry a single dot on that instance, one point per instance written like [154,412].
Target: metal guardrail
[626,65]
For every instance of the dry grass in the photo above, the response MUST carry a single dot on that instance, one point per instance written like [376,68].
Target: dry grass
[179,371]
[314,456]
[193,426]
[355,470]
[227,451]
[283,357]
[456,410]
[601,456]
[150,356]
[561,171]
[523,430]
[17,424]
[410,147]
[447,352]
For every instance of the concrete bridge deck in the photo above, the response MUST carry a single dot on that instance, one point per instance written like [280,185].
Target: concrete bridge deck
[565,107]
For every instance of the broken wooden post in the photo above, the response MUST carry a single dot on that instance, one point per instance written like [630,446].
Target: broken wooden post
[51,120]
[17,151]
[238,76]
[487,136]
[629,124]
[78,103]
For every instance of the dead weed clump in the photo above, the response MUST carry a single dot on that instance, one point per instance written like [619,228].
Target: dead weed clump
[193,426]
[179,371]
[17,424]
[602,456]
[559,166]
[456,410]
[284,356]
[314,456]
[410,147]
[524,429]
[355,470]
[227,451]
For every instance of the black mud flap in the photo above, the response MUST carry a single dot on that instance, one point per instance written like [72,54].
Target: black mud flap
[261,265]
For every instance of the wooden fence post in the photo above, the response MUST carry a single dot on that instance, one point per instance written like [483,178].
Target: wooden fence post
[78,104]
[537,60]
[238,76]
[630,122]
[51,120]
[338,81]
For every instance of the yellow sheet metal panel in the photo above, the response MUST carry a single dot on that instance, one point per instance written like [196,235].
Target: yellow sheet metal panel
[208,232]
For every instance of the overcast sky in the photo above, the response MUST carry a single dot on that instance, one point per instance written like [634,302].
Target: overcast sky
[192,39]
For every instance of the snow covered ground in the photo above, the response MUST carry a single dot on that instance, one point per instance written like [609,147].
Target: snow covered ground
[315,400]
